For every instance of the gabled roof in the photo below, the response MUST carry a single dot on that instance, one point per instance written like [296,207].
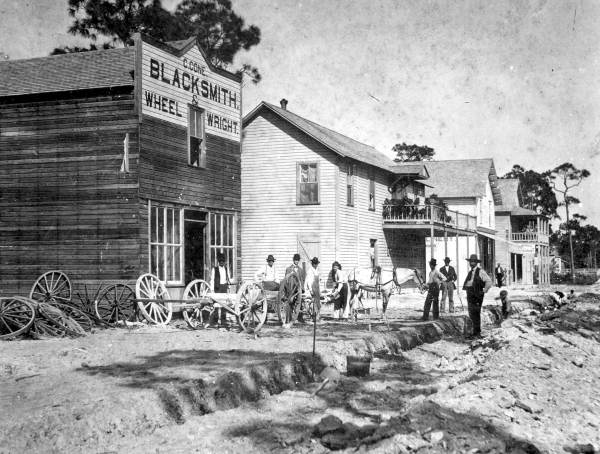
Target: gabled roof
[463,178]
[336,142]
[416,169]
[66,72]
[509,188]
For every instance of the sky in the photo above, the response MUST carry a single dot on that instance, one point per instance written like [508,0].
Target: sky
[518,81]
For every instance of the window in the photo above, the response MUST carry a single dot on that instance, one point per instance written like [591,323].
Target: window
[350,185]
[222,239]
[419,189]
[372,194]
[166,243]
[307,190]
[197,138]
[491,213]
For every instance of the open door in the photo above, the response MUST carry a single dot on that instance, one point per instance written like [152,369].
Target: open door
[195,245]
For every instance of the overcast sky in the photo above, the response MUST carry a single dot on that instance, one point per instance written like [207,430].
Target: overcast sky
[518,81]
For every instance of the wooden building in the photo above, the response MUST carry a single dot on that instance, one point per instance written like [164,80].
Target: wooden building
[307,189]
[522,246]
[116,163]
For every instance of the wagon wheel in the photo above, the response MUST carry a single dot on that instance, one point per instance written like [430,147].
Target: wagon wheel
[116,303]
[52,321]
[252,307]
[51,286]
[289,300]
[76,314]
[149,286]
[16,317]
[197,317]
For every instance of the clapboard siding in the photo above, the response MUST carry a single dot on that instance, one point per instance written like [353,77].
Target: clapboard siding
[272,222]
[64,204]
[358,224]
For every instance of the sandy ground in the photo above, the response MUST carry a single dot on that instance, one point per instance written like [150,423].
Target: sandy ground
[516,391]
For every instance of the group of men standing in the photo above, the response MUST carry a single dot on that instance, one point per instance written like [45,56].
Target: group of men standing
[476,285]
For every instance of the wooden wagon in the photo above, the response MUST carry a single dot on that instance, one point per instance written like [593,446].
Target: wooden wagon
[249,305]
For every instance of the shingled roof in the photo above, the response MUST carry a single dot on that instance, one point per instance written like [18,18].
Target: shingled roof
[336,142]
[509,188]
[67,72]
[463,178]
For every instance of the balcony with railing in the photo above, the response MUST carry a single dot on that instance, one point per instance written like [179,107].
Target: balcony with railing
[419,216]
[530,237]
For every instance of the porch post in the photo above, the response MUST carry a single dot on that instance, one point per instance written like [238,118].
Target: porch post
[432,245]
[445,242]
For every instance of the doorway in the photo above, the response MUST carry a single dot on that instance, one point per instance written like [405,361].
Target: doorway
[194,245]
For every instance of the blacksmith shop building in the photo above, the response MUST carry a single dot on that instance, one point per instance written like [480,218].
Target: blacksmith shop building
[116,163]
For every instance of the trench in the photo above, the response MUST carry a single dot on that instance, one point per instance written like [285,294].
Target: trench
[182,400]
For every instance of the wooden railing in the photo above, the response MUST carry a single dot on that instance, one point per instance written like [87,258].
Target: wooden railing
[427,214]
[530,237]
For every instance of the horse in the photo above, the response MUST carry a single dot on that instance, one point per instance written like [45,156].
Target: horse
[380,280]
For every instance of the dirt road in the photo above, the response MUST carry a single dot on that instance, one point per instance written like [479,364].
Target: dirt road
[529,386]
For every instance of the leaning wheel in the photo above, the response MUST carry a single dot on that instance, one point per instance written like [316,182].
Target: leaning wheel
[76,314]
[198,317]
[16,317]
[150,287]
[308,309]
[252,307]
[289,300]
[116,303]
[51,286]
[57,322]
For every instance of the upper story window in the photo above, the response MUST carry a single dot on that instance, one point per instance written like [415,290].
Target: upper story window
[491,213]
[350,185]
[372,194]
[307,183]
[197,138]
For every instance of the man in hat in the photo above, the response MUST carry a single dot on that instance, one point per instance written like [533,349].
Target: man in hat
[296,268]
[476,285]
[448,287]
[312,286]
[499,275]
[220,278]
[267,274]
[434,280]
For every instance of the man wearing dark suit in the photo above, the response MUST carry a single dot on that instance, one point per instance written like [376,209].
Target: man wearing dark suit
[448,287]
[296,268]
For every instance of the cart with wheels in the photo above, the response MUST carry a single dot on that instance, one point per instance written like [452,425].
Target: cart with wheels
[248,305]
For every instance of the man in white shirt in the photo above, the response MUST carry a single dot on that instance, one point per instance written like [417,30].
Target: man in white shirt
[220,278]
[267,274]
[434,280]
[476,285]
[312,286]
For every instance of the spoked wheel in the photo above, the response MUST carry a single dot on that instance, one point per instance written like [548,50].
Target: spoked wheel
[308,309]
[52,321]
[116,303]
[76,314]
[16,317]
[150,287]
[198,317]
[252,307]
[51,286]
[289,299]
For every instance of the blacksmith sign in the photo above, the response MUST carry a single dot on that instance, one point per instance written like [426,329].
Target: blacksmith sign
[173,79]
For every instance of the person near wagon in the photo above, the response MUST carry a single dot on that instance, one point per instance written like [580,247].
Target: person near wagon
[448,286]
[340,292]
[220,279]
[296,268]
[312,286]
[434,280]
[267,274]
[476,285]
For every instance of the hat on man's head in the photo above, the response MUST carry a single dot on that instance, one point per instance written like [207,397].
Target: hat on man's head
[314,261]
[447,259]
[433,262]
[270,258]
[296,257]
[473,258]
